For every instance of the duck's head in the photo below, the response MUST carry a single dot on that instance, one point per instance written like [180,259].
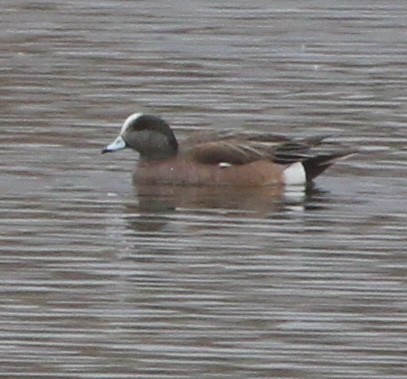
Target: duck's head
[149,135]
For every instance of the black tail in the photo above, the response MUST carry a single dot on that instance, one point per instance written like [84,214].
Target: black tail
[314,166]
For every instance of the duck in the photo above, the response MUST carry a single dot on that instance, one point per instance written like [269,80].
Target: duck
[223,158]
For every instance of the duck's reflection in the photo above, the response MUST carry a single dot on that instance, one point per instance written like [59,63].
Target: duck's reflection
[153,205]
[153,198]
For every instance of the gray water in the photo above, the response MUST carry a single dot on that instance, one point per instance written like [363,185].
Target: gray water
[99,279]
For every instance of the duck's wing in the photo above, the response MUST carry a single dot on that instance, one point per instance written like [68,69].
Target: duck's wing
[243,148]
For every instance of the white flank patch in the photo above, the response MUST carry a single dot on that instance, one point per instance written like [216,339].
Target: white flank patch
[224,164]
[129,120]
[295,174]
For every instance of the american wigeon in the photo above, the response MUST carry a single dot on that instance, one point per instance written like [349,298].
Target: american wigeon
[222,158]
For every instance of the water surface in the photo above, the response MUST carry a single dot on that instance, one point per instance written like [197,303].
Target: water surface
[100,279]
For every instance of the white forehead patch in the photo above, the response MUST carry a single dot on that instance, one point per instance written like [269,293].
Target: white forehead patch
[133,117]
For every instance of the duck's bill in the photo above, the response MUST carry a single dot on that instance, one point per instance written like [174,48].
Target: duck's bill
[117,144]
